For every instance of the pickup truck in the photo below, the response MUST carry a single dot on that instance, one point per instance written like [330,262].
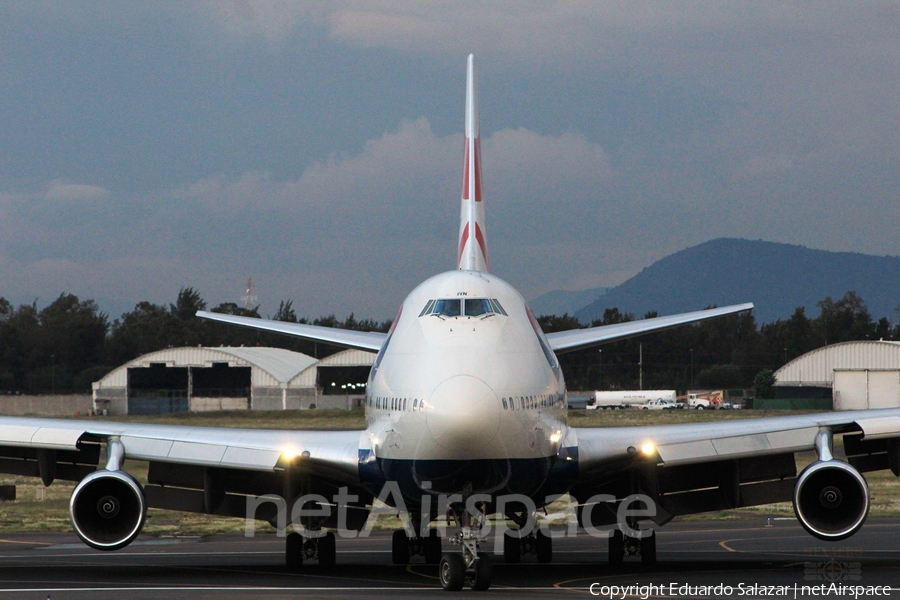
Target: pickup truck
[659,404]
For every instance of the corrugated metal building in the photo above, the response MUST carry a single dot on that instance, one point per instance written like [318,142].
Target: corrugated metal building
[863,374]
[182,379]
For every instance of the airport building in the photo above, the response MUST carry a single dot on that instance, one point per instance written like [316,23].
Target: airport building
[204,379]
[848,376]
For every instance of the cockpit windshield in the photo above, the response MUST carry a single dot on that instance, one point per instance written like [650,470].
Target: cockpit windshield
[457,307]
[447,308]
[475,307]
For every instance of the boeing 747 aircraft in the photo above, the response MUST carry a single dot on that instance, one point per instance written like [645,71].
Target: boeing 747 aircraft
[466,419]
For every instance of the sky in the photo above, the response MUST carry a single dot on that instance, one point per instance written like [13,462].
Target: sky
[317,147]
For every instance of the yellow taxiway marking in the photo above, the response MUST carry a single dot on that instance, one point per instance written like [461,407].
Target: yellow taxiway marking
[409,569]
[2,541]
[724,544]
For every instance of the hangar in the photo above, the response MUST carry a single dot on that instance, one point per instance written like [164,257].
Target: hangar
[854,375]
[203,379]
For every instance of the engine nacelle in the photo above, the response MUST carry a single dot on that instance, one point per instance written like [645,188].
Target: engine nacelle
[831,499]
[108,509]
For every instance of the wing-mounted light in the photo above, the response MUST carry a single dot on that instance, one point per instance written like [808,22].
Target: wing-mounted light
[647,452]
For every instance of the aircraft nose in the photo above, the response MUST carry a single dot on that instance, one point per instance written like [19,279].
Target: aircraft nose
[463,414]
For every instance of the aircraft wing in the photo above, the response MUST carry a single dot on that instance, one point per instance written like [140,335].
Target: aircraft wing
[347,338]
[196,469]
[701,467]
[576,339]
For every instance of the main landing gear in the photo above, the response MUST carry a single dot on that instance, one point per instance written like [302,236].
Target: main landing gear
[466,568]
[403,547]
[539,544]
[621,546]
[298,549]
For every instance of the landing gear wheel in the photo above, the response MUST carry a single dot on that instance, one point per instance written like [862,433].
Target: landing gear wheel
[327,550]
[452,572]
[484,569]
[512,549]
[400,548]
[543,547]
[616,547]
[433,548]
[293,552]
[648,548]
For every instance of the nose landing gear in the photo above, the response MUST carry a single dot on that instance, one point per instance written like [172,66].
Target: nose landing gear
[466,568]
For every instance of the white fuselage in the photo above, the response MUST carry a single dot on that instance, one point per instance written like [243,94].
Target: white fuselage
[466,375]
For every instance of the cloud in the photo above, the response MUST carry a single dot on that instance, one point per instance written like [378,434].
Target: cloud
[364,217]
[61,191]
[401,180]
[647,127]
[610,34]
[272,19]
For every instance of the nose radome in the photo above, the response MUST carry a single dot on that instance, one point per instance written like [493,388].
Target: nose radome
[463,414]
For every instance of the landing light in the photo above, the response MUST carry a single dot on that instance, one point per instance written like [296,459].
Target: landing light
[648,449]
[289,453]
[556,437]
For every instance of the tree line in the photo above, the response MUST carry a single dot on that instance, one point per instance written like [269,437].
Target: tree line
[71,343]
[724,353]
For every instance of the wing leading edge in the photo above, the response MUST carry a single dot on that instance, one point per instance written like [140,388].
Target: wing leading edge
[576,339]
[347,338]
[242,449]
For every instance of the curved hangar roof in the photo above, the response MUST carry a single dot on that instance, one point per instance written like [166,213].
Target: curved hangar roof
[271,366]
[816,368]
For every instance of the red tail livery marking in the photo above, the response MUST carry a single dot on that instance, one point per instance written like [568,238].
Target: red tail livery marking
[479,237]
[462,244]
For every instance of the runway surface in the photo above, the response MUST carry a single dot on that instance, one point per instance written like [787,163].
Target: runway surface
[739,554]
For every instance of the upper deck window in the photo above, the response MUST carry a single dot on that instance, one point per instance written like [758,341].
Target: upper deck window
[469,307]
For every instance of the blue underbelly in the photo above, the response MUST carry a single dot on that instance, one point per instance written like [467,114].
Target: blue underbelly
[535,478]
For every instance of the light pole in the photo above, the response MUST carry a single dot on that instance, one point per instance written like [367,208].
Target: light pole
[692,368]
[641,367]
[600,370]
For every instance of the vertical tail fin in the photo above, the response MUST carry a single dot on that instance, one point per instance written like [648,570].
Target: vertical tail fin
[472,235]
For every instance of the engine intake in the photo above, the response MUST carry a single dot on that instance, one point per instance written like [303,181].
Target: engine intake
[831,499]
[108,509]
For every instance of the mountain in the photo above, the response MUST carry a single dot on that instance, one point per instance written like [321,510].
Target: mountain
[560,302]
[777,278]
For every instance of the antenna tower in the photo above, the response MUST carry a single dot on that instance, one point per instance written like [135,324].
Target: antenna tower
[249,299]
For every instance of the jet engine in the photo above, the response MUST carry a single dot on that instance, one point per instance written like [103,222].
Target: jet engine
[108,509]
[831,499]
